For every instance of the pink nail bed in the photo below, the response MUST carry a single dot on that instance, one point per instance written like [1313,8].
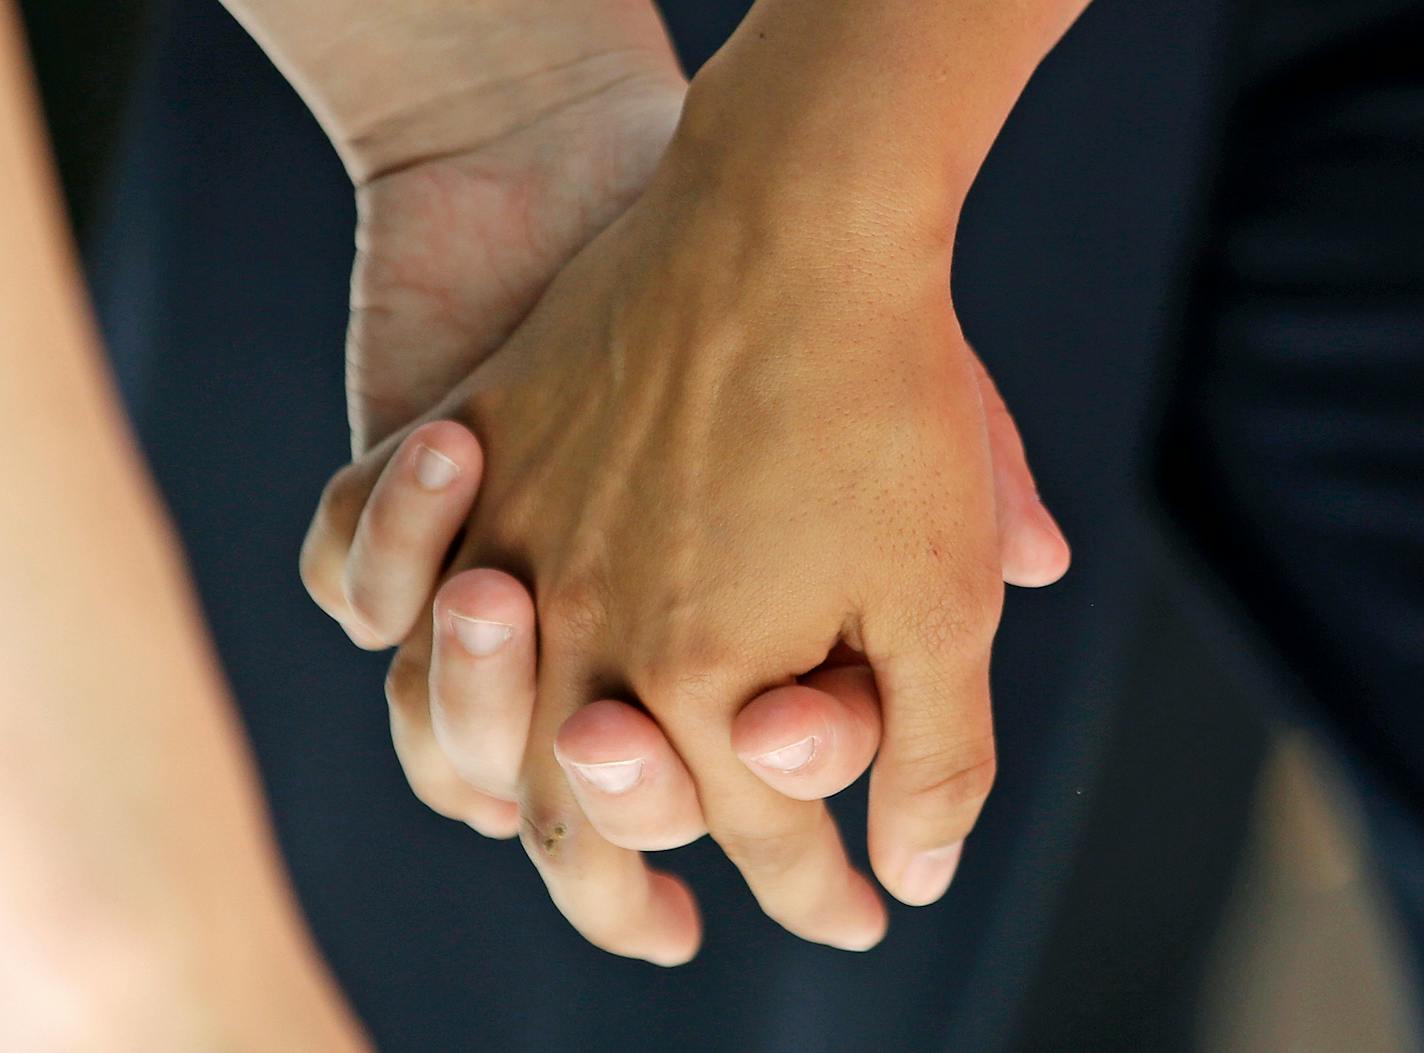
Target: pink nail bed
[790,758]
[433,470]
[479,636]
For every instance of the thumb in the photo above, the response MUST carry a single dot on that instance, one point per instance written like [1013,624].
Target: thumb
[1032,549]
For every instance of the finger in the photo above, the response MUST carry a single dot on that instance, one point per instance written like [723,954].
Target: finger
[607,893]
[1031,545]
[482,677]
[414,512]
[427,768]
[327,543]
[328,539]
[628,779]
[936,761]
[813,739]
[788,851]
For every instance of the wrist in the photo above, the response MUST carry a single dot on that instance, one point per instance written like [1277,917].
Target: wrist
[754,125]
[433,78]
[883,107]
[789,164]
[458,118]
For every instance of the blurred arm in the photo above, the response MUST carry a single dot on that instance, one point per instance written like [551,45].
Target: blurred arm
[142,906]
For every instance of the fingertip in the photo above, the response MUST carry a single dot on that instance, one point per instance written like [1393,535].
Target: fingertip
[361,636]
[877,926]
[607,732]
[677,908]
[1036,555]
[925,877]
[482,675]
[496,819]
[485,594]
[442,452]
[778,722]
[628,779]
[810,742]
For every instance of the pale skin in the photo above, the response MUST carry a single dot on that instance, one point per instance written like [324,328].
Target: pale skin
[839,343]
[142,905]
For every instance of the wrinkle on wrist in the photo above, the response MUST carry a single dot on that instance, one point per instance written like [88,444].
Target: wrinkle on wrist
[434,77]
[463,117]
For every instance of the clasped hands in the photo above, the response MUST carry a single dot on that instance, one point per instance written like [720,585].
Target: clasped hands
[715,505]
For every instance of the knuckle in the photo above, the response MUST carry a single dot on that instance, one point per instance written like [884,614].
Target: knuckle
[955,779]
[519,507]
[431,780]
[439,791]
[768,855]
[961,620]
[342,498]
[703,675]
[386,528]
[323,585]
[575,609]
[367,606]
[406,683]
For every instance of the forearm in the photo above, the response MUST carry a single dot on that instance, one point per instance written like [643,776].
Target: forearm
[141,902]
[899,99]
[396,83]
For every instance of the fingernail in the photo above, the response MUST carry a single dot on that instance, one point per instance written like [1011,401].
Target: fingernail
[928,875]
[433,470]
[613,776]
[480,636]
[790,758]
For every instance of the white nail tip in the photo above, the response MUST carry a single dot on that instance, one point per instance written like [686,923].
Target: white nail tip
[478,636]
[433,470]
[790,758]
[613,777]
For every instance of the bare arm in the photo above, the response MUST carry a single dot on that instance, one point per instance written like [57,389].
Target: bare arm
[142,906]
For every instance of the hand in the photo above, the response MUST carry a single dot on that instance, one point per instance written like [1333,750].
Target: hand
[488,142]
[522,390]
[431,297]
[453,251]
[462,752]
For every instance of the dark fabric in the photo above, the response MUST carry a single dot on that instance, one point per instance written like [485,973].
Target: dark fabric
[83,56]
[1295,452]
